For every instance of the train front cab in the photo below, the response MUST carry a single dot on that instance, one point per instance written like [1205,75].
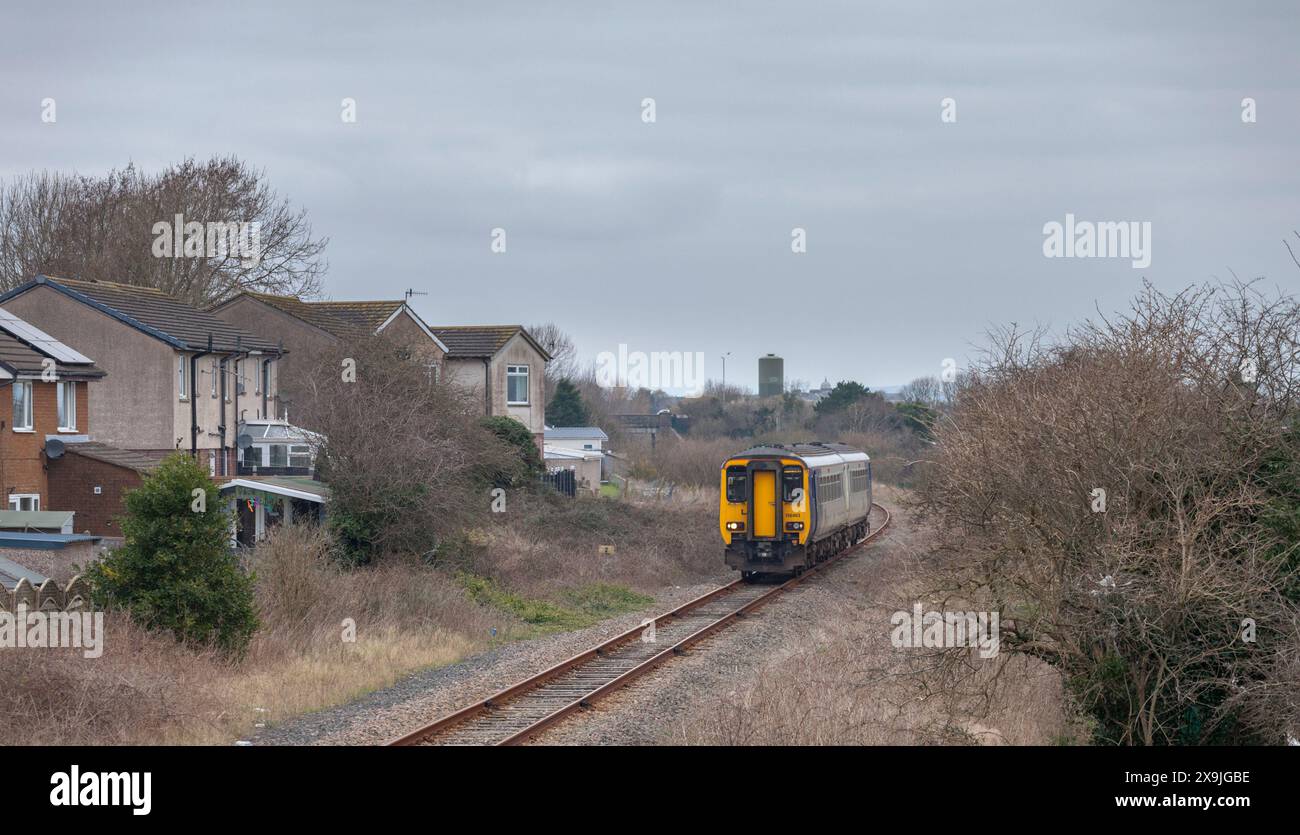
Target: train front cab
[766,515]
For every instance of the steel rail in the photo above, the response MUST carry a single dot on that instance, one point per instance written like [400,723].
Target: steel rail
[498,700]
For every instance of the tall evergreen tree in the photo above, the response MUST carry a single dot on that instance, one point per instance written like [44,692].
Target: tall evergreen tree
[566,407]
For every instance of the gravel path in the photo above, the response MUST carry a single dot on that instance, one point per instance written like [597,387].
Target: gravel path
[419,699]
[643,713]
[648,710]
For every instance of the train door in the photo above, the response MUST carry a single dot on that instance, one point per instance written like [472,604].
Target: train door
[766,503]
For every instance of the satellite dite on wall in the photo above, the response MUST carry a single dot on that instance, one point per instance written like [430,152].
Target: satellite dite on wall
[40,340]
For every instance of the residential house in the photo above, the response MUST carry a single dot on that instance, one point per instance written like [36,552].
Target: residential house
[577,437]
[504,366]
[577,448]
[92,479]
[50,389]
[177,377]
[276,447]
[260,503]
[310,329]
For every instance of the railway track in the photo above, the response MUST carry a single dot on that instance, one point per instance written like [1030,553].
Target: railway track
[521,711]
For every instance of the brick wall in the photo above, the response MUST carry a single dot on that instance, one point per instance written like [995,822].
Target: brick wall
[22,464]
[73,479]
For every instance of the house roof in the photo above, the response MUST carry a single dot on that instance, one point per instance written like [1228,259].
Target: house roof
[155,313]
[24,349]
[342,326]
[41,519]
[141,462]
[345,320]
[34,542]
[366,316]
[575,433]
[19,358]
[11,572]
[482,341]
[295,487]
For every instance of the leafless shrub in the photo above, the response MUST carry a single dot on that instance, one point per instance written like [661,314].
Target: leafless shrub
[1181,411]
[404,454]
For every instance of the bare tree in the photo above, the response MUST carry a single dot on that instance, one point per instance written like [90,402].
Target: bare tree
[404,453]
[1126,499]
[112,228]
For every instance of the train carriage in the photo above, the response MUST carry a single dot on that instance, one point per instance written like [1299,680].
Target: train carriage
[785,508]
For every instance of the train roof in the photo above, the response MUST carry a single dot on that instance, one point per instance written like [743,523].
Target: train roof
[841,452]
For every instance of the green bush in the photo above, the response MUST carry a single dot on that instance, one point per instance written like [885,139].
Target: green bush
[176,571]
[517,435]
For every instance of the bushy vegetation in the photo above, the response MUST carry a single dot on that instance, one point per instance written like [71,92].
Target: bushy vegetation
[527,461]
[1126,497]
[175,571]
[565,407]
[407,459]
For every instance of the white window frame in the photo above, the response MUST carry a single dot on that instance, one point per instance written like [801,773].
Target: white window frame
[16,499]
[225,381]
[182,376]
[70,388]
[25,385]
[512,371]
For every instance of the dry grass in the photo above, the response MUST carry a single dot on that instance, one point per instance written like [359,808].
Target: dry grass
[146,688]
[555,544]
[846,684]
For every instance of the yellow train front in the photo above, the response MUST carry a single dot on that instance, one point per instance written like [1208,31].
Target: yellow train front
[785,508]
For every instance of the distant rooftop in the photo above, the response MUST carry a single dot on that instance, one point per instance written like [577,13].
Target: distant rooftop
[153,312]
[481,341]
[575,433]
[24,349]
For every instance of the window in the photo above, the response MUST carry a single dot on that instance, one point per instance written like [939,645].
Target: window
[239,380]
[737,484]
[25,501]
[860,480]
[266,376]
[180,377]
[279,455]
[253,456]
[22,406]
[300,456]
[830,487]
[216,371]
[225,381]
[67,406]
[257,376]
[791,480]
[516,385]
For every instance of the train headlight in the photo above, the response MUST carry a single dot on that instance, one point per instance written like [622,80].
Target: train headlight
[794,526]
[735,526]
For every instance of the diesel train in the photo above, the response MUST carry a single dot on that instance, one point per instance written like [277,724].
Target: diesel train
[785,507]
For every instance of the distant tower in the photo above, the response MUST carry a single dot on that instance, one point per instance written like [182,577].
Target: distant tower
[771,376]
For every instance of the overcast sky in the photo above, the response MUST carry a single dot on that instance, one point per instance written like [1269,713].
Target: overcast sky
[676,235]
